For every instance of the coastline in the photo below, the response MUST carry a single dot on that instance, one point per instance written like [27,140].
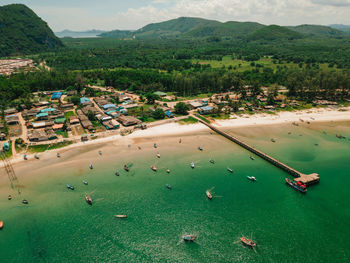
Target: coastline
[175,129]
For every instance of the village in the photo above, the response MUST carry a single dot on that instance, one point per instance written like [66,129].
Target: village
[60,118]
[10,66]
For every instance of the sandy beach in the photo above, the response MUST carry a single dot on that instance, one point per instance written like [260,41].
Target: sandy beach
[176,129]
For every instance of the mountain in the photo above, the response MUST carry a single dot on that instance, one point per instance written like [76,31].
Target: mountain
[23,32]
[316,30]
[117,34]
[79,34]
[228,29]
[344,28]
[274,32]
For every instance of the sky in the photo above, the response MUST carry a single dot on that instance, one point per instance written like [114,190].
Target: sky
[133,14]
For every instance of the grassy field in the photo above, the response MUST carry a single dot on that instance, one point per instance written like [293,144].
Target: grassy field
[241,65]
[189,120]
[44,147]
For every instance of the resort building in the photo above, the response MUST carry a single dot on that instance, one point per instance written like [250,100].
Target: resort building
[205,110]
[128,120]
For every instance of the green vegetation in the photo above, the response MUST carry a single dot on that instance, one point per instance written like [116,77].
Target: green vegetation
[45,147]
[23,32]
[188,120]
[203,118]
[68,114]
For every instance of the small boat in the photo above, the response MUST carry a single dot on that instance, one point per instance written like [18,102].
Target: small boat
[212,161]
[121,216]
[158,155]
[139,147]
[9,197]
[116,173]
[251,178]
[154,168]
[180,141]
[297,186]
[251,158]
[155,145]
[1,224]
[85,182]
[192,165]
[273,140]
[58,155]
[168,171]
[230,170]
[316,144]
[70,187]
[289,133]
[126,168]
[25,157]
[100,152]
[248,242]
[36,156]
[189,238]
[24,201]
[88,199]
[200,148]
[209,195]
[91,166]
[168,186]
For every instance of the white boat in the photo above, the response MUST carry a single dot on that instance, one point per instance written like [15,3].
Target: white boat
[251,178]
[158,155]
[91,166]
[121,216]
[192,165]
[230,170]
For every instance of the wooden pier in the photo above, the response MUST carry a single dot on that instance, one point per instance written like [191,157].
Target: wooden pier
[306,179]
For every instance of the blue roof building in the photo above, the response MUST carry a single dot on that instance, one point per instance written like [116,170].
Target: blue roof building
[84,100]
[169,114]
[205,110]
[56,95]
[109,106]
[42,115]
[48,110]
[6,146]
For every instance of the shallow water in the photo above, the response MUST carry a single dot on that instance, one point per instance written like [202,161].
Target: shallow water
[58,226]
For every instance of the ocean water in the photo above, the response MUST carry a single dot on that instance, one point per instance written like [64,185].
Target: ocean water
[58,225]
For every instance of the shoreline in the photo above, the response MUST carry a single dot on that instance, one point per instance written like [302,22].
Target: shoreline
[174,128]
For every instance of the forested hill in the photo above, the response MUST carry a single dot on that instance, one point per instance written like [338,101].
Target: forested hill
[23,32]
[189,27]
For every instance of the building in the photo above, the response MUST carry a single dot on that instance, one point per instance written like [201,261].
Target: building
[205,110]
[42,116]
[104,118]
[2,136]
[85,100]
[12,119]
[160,94]
[41,124]
[58,127]
[67,106]
[73,120]
[169,114]
[109,106]
[48,110]
[10,111]
[6,147]
[56,95]
[72,93]
[87,125]
[128,120]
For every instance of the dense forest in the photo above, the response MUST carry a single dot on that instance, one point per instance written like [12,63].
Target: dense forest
[23,32]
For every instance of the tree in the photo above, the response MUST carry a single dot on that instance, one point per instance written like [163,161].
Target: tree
[182,108]
[151,97]
[75,100]
[158,114]
[91,116]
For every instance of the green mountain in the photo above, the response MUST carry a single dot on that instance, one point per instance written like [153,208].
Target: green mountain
[316,30]
[23,32]
[228,29]
[274,32]
[174,28]
[117,34]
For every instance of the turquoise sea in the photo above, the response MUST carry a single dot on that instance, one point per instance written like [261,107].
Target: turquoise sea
[59,226]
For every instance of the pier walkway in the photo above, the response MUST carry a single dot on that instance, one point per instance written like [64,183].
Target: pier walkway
[306,179]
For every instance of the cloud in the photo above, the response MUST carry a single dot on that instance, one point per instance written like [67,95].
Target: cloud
[140,13]
[332,2]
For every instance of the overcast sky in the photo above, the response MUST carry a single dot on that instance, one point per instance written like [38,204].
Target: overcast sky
[133,14]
